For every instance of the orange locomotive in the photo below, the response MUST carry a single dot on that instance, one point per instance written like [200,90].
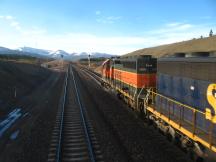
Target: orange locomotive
[131,77]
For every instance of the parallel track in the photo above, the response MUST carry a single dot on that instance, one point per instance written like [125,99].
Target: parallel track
[94,76]
[73,137]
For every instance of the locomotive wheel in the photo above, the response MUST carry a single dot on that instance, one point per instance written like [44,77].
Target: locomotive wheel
[193,156]
[169,137]
[199,159]
[176,141]
[131,104]
[149,121]
[154,124]
[119,96]
[141,107]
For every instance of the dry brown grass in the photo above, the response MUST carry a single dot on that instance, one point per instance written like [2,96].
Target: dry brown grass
[56,64]
[195,45]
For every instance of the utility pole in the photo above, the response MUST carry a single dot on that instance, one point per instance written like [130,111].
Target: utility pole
[15,92]
[62,61]
[89,62]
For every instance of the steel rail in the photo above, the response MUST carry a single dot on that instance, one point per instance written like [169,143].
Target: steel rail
[91,73]
[62,120]
[91,76]
[89,142]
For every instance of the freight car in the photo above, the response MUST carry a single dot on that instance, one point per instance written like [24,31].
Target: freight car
[184,105]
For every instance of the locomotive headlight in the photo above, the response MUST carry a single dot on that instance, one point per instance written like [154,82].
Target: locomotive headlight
[192,88]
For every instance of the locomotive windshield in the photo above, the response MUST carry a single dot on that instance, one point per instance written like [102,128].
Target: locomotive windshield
[149,65]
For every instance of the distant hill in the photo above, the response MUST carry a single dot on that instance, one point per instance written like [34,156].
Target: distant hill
[195,45]
[41,53]
[83,55]
[7,51]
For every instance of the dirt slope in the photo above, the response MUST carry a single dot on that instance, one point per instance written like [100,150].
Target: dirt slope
[195,45]
[20,76]
[38,93]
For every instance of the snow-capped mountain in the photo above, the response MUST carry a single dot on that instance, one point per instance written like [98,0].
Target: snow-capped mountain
[2,49]
[67,56]
[58,54]
[41,53]
[34,50]
[77,56]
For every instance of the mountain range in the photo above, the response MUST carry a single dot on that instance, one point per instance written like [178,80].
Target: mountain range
[41,53]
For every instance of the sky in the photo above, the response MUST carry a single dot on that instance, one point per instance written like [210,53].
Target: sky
[110,26]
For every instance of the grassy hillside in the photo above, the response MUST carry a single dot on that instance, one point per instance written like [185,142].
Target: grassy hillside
[195,45]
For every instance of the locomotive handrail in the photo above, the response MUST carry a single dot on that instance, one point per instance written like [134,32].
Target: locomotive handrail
[188,126]
[177,102]
[138,96]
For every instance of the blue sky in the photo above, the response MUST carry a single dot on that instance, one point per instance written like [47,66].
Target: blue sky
[111,26]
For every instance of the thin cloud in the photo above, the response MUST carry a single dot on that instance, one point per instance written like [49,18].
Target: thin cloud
[13,23]
[109,19]
[173,27]
[174,24]
[113,18]
[106,19]
[206,17]
[8,17]
[98,12]
[178,26]
[184,26]
[175,32]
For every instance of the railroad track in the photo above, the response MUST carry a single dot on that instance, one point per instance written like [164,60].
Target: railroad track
[91,74]
[73,137]
[91,71]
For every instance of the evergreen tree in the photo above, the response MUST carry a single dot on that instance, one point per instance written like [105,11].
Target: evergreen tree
[211,33]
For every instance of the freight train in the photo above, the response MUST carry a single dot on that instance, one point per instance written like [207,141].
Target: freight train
[177,94]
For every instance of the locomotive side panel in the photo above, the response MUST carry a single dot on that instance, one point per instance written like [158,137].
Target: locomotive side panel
[188,92]
[187,79]
[186,82]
